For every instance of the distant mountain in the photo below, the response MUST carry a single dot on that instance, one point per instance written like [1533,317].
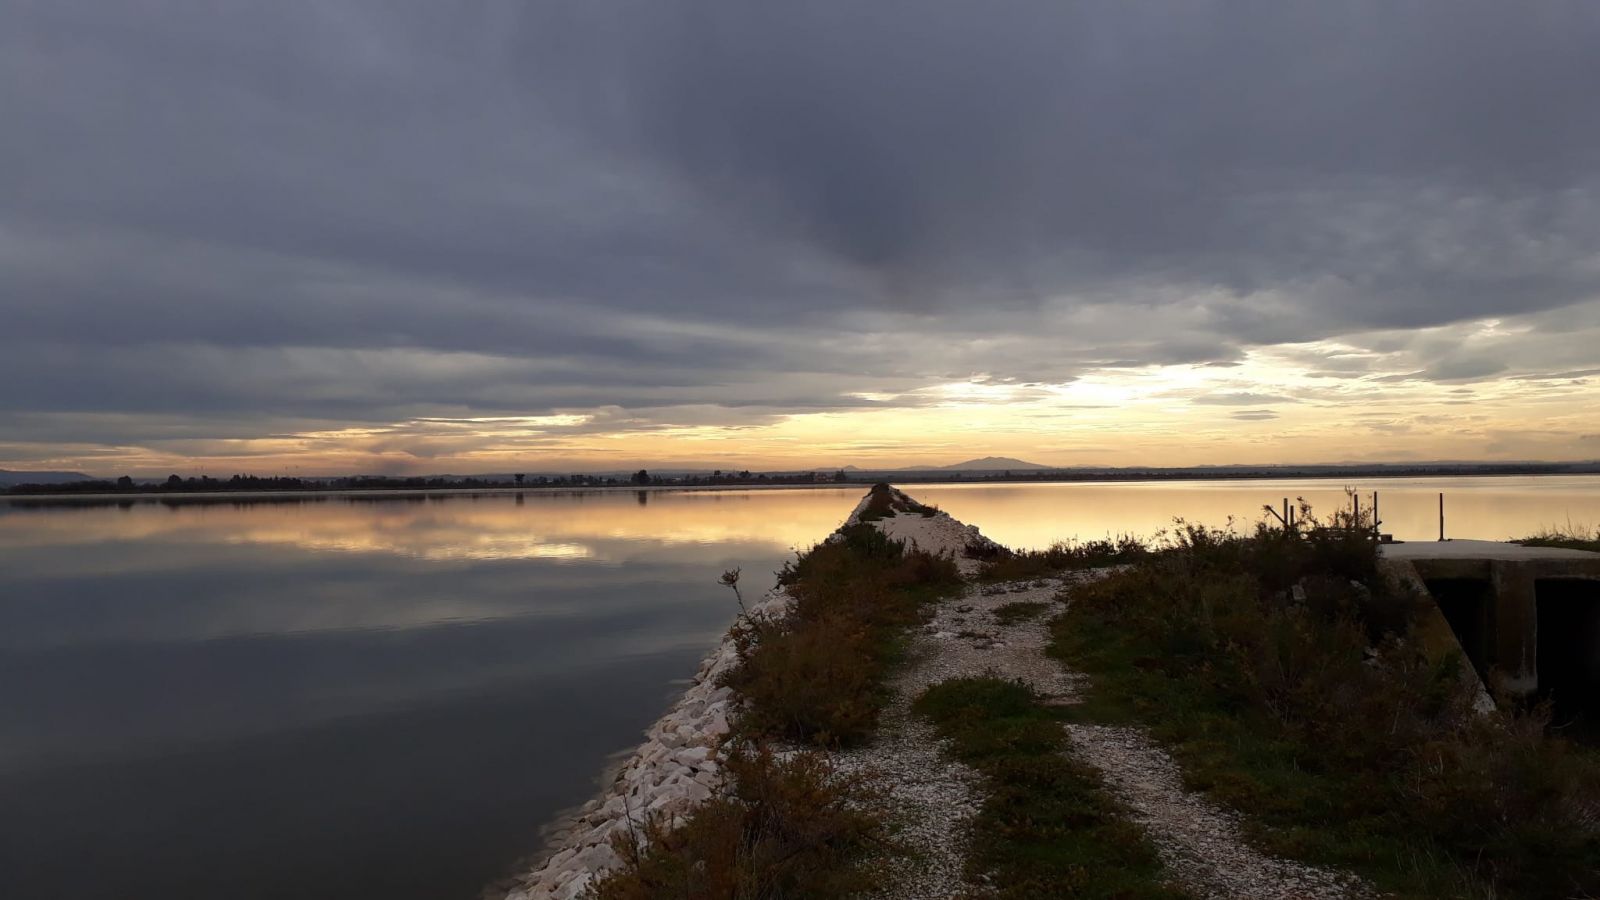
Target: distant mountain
[992,464]
[8,477]
[986,464]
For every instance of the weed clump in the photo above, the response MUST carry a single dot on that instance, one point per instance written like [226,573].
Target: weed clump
[1569,537]
[1282,671]
[775,828]
[1019,611]
[815,674]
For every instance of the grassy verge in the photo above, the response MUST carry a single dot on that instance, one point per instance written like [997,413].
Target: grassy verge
[1569,538]
[1046,829]
[775,829]
[1278,672]
[815,675]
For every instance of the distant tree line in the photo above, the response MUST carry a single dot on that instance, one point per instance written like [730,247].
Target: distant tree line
[205,484]
[1204,473]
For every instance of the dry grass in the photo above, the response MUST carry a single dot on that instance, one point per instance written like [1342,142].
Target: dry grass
[786,828]
[815,675]
[792,827]
[1570,537]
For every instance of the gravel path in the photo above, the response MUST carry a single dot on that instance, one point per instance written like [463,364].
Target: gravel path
[933,796]
[1199,842]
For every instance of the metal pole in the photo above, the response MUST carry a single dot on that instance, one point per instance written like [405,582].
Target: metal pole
[1377,523]
[1286,515]
[1441,515]
[1355,524]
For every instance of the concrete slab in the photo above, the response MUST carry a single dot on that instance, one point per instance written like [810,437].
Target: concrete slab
[1487,550]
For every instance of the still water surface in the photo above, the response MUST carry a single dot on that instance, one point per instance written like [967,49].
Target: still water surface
[347,697]
[351,697]
[1495,509]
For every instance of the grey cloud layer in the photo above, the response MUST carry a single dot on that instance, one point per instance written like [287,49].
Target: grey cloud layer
[320,209]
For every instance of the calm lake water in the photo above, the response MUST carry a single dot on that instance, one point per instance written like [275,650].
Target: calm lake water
[344,698]
[361,697]
[1496,509]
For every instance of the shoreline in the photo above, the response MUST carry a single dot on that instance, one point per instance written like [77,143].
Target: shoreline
[671,772]
[676,767]
[66,499]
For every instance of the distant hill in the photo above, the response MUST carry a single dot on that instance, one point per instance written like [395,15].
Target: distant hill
[8,477]
[993,464]
[986,464]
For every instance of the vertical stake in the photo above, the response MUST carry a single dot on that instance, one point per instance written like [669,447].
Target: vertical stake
[1441,515]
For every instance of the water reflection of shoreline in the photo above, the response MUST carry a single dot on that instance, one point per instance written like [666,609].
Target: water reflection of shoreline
[593,525]
[534,525]
[1484,508]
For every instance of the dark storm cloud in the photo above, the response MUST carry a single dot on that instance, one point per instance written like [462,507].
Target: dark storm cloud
[1388,164]
[323,209]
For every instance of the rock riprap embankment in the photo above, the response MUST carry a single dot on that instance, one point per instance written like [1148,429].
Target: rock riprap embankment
[676,769]
[673,771]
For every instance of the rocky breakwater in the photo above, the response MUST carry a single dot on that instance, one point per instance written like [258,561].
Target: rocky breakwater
[676,768]
[673,771]
[902,518]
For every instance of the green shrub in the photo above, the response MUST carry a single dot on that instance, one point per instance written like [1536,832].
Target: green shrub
[811,681]
[775,829]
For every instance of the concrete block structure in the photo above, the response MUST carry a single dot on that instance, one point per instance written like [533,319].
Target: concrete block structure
[1527,618]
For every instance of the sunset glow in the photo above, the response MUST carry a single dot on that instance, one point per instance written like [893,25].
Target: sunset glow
[358,238]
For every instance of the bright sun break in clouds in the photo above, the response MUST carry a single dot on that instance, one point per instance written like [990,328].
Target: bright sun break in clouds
[339,236]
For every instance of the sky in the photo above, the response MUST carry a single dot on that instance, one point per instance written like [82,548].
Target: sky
[402,236]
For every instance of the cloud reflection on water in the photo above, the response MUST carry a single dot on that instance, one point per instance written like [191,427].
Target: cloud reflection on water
[228,681]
